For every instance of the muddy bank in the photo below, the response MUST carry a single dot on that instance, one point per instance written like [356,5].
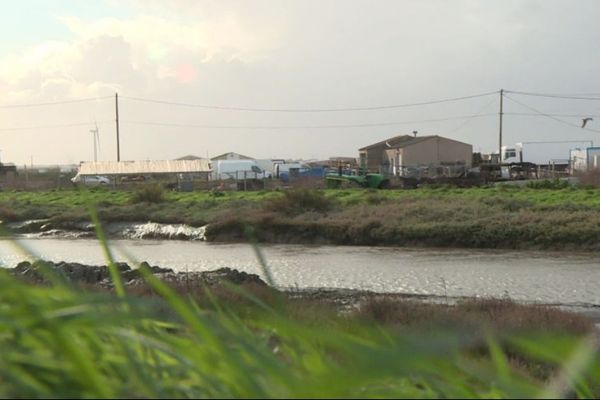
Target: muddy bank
[343,300]
[92,275]
[118,230]
[269,228]
[514,232]
[504,218]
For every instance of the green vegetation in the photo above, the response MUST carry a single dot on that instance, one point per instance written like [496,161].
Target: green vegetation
[546,215]
[150,341]
[301,201]
[149,194]
[228,341]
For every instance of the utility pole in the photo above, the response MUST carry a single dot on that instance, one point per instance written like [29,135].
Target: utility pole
[500,129]
[117,121]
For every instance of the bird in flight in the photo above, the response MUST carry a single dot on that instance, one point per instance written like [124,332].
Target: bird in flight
[585,121]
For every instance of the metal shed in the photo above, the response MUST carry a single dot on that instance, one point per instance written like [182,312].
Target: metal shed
[145,167]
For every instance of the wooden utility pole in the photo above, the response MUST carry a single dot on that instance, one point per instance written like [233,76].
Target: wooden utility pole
[117,121]
[500,129]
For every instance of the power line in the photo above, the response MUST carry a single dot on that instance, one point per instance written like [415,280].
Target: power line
[54,103]
[553,115]
[476,115]
[550,116]
[591,96]
[468,118]
[40,127]
[273,127]
[308,110]
[558,96]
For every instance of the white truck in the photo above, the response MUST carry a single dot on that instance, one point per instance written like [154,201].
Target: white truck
[553,154]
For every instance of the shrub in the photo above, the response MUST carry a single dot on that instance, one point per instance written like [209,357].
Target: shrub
[7,212]
[149,194]
[299,201]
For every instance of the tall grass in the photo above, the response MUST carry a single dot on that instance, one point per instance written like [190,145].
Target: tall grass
[61,341]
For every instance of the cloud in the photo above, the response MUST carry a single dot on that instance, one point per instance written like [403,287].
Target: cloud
[148,55]
[128,53]
[304,54]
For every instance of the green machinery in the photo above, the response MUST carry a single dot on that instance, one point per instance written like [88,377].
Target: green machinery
[376,181]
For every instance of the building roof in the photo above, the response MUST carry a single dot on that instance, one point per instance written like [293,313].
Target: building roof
[237,155]
[189,157]
[144,167]
[397,142]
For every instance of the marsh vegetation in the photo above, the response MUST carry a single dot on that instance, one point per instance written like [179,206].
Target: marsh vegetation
[539,217]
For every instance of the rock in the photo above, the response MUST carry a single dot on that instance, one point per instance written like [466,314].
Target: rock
[134,274]
[74,272]
[100,275]
[232,276]
[30,226]
[23,269]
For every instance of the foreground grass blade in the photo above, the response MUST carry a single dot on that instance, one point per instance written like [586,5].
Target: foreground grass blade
[114,271]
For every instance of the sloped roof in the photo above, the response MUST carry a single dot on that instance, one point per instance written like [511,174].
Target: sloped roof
[224,156]
[398,142]
[189,157]
[144,167]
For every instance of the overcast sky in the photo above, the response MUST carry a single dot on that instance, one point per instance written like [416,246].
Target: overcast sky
[288,55]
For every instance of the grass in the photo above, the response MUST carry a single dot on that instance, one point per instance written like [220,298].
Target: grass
[160,340]
[547,215]
[62,341]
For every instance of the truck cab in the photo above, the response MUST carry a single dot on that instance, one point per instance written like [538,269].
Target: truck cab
[510,155]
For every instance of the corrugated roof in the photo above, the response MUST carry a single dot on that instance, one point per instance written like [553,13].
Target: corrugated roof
[397,142]
[144,167]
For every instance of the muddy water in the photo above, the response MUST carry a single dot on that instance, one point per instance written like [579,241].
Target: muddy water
[557,278]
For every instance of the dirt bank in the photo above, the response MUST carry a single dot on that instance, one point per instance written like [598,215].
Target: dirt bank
[388,308]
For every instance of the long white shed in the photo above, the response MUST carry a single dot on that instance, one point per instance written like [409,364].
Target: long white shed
[144,167]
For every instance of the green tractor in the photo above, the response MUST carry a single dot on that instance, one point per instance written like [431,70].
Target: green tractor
[375,181]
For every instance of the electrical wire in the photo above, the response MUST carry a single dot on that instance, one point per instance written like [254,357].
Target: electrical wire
[550,116]
[24,128]
[308,110]
[282,127]
[477,114]
[54,103]
[553,115]
[558,96]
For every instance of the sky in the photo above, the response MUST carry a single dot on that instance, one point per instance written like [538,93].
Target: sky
[62,61]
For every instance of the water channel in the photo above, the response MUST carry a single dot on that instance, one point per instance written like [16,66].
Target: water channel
[544,277]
